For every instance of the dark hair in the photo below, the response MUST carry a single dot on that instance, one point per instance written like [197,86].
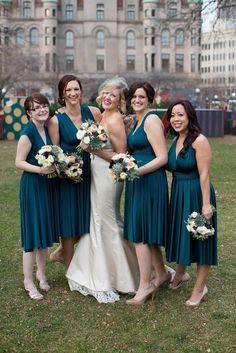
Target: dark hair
[193,126]
[62,86]
[37,98]
[150,92]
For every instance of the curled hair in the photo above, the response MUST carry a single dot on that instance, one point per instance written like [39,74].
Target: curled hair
[37,98]
[193,126]
[150,92]
[62,86]
[111,84]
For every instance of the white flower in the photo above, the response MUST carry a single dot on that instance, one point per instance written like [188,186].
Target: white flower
[202,230]
[46,163]
[123,175]
[86,140]
[80,134]
[62,157]
[50,159]
[193,215]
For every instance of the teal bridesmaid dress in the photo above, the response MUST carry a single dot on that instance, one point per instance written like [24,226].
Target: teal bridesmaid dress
[146,198]
[186,197]
[74,198]
[38,200]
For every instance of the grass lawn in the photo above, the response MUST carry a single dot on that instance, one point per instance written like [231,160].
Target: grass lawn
[67,322]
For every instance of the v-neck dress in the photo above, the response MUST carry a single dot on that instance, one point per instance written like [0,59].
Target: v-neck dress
[38,200]
[186,197]
[74,198]
[146,198]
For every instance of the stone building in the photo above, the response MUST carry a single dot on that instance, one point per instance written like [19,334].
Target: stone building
[159,40]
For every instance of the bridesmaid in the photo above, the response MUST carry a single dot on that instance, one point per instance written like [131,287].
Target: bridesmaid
[37,196]
[146,198]
[74,198]
[189,161]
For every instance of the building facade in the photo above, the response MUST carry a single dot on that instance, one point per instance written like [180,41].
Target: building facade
[94,39]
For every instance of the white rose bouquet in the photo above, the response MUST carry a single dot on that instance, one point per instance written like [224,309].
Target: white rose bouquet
[92,134]
[50,155]
[123,167]
[199,226]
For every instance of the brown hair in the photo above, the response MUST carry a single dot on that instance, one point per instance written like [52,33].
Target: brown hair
[37,98]
[150,92]
[62,86]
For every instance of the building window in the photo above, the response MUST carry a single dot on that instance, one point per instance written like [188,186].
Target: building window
[100,62]
[26,9]
[54,40]
[153,61]
[6,40]
[54,12]
[47,40]
[69,12]
[153,41]
[179,62]
[47,12]
[47,62]
[20,39]
[165,62]
[193,62]
[54,62]
[54,30]
[131,12]
[69,62]
[35,63]
[100,12]
[179,38]
[172,9]
[47,30]
[130,66]
[165,38]
[130,39]
[153,13]
[146,13]
[100,39]
[69,39]
[34,36]
[193,36]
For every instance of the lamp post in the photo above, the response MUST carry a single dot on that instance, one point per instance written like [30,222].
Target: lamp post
[197,91]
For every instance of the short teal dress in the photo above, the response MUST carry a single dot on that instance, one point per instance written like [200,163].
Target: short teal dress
[186,197]
[74,198]
[146,198]
[38,200]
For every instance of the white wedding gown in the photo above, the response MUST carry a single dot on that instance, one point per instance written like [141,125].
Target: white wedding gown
[104,264]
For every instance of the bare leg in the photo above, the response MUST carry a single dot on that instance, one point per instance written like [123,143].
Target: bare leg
[28,264]
[180,272]
[143,252]
[68,250]
[58,255]
[161,274]
[202,273]
[41,258]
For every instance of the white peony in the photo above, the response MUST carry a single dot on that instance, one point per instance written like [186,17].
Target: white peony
[86,140]
[80,134]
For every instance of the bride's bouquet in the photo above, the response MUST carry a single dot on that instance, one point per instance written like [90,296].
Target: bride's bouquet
[123,167]
[199,226]
[49,155]
[92,134]
[72,167]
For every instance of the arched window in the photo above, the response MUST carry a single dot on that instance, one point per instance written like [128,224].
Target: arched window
[69,39]
[130,39]
[34,36]
[20,39]
[179,38]
[165,38]
[100,39]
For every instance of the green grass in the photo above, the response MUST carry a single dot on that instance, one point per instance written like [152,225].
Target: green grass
[68,322]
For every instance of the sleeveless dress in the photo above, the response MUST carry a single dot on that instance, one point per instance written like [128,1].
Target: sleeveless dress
[186,197]
[103,262]
[38,200]
[74,198]
[146,198]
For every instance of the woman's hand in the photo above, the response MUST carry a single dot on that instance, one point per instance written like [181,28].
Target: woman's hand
[47,170]
[207,211]
[84,146]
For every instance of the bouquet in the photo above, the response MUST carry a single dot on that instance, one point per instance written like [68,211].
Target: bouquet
[50,155]
[123,167]
[71,167]
[199,226]
[92,134]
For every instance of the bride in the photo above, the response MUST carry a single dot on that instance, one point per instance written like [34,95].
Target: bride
[105,264]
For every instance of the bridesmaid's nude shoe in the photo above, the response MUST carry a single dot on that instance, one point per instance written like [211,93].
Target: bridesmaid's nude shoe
[43,284]
[150,293]
[185,278]
[204,292]
[32,292]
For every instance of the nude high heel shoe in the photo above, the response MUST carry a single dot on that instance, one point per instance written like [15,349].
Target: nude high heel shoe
[150,293]
[32,291]
[190,303]
[43,285]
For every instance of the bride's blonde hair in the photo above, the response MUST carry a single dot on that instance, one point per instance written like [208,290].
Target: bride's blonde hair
[111,84]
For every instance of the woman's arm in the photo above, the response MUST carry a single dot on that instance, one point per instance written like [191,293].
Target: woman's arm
[53,130]
[204,157]
[23,149]
[155,134]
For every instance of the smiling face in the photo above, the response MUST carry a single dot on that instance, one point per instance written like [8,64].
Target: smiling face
[72,93]
[179,119]
[139,101]
[110,99]
[38,112]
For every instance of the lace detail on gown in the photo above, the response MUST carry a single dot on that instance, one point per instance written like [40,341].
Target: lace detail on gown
[102,297]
